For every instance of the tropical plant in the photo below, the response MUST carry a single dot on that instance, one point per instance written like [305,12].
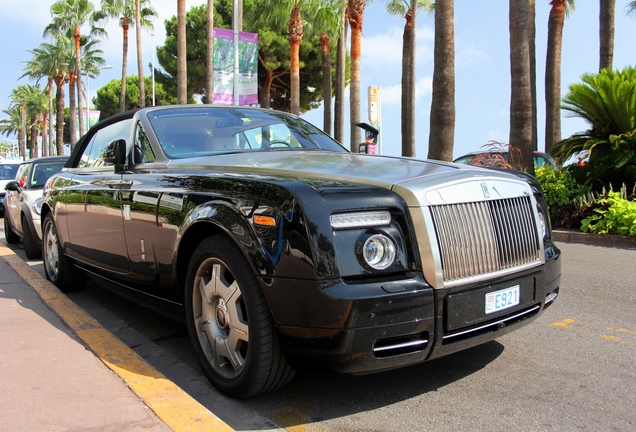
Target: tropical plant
[521,108]
[607,102]
[559,11]
[125,12]
[72,15]
[606,19]
[614,215]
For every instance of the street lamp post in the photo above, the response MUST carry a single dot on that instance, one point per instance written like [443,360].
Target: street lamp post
[153,68]
[88,94]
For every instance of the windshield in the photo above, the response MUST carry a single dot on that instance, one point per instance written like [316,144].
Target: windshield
[200,131]
[7,171]
[43,171]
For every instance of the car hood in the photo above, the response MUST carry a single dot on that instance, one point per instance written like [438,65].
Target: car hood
[407,176]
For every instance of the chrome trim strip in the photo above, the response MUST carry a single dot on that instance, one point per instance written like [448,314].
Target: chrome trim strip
[401,345]
[496,323]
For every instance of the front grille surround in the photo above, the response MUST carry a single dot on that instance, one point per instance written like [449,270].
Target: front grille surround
[474,230]
[487,237]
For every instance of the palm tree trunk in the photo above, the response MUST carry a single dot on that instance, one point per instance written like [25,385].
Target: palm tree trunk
[442,130]
[295,38]
[606,30]
[59,116]
[23,135]
[182,79]
[408,144]
[326,82]
[356,14]
[124,65]
[341,59]
[78,79]
[72,106]
[521,94]
[533,69]
[140,62]
[553,75]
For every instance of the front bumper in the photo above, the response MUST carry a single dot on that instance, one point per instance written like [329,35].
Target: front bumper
[374,326]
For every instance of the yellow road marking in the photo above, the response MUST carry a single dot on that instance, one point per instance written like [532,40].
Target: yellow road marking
[177,409]
[590,329]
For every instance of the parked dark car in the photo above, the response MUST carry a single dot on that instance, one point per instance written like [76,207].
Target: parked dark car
[280,249]
[501,159]
[23,202]
[7,174]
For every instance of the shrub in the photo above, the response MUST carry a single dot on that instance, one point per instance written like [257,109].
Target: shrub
[615,215]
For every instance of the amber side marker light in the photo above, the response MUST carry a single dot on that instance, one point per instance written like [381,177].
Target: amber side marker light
[264,220]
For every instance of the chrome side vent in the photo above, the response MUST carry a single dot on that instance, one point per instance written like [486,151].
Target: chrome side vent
[485,237]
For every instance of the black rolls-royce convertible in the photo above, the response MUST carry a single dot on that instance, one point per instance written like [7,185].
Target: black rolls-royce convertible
[280,249]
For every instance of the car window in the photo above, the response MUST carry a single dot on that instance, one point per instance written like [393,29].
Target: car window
[43,171]
[93,155]
[8,171]
[142,151]
[21,175]
[191,132]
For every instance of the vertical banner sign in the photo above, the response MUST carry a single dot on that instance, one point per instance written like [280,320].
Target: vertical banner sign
[373,104]
[224,67]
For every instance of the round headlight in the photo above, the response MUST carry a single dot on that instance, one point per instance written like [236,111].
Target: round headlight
[37,206]
[379,252]
[543,224]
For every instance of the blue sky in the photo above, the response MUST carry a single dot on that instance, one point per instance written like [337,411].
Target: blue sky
[482,64]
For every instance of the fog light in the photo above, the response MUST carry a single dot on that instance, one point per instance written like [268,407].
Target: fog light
[543,224]
[379,252]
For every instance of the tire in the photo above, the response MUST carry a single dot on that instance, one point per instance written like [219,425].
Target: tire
[9,235]
[230,326]
[59,268]
[31,248]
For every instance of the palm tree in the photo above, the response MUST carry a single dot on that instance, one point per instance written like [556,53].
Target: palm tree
[442,119]
[182,67]
[37,106]
[37,68]
[606,34]
[631,8]
[125,12]
[405,8]
[55,58]
[72,15]
[12,125]
[328,20]
[521,94]
[355,16]
[558,12]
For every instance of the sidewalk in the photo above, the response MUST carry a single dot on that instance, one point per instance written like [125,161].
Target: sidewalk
[53,373]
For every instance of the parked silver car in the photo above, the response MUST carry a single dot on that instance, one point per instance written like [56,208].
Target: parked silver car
[7,174]
[23,202]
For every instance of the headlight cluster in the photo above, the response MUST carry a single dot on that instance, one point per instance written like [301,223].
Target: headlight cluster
[543,223]
[375,248]
[37,206]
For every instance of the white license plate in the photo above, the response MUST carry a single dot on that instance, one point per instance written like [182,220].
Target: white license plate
[502,299]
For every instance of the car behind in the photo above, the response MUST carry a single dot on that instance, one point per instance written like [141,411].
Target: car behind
[23,202]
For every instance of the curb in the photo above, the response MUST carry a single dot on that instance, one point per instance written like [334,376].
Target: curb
[608,240]
[177,409]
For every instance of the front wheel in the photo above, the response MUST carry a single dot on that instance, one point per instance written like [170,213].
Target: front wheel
[31,248]
[59,268]
[9,235]
[229,323]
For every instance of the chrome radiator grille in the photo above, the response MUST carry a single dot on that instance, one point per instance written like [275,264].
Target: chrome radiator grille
[478,238]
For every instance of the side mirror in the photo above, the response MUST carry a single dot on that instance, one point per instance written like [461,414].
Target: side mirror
[115,154]
[12,186]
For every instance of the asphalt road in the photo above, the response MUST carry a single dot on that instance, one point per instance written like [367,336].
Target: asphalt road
[573,369]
